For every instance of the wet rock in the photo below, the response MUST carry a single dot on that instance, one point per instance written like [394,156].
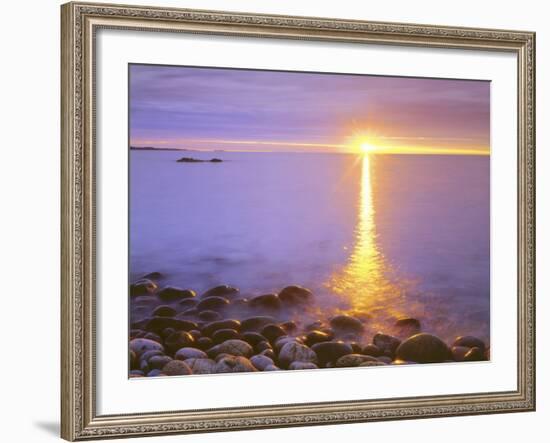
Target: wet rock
[292,295]
[283,340]
[141,345]
[347,324]
[330,351]
[221,291]
[353,360]
[423,348]
[271,368]
[272,332]
[152,336]
[232,347]
[178,340]
[234,364]
[255,324]
[142,287]
[408,326]
[176,367]
[469,341]
[262,346]
[154,373]
[187,303]
[299,365]
[372,363]
[260,361]
[372,350]
[289,327]
[253,338]
[316,325]
[209,315]
[222,335]
[171,293]
[386,343]
[157,324]
[204,343]
[148,354]
[385,359]
[166,332]
[314,337]
[213,303]
[265,302]
[474,354]
[164,311]
[270,353]
[186,353]
[403,362]
[158,361]
[293,351]
[356,347]
[212,327]
[188,313]
[201,365]
[195,333]
[136,373]
[153,276]
[459,352]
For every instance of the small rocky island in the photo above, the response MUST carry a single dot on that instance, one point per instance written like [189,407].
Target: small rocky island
[197,160]
[174,331]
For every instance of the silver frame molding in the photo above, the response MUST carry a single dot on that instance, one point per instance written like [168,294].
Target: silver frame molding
[79,22]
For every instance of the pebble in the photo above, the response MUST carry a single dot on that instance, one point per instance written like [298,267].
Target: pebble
[222,335]
[459,352]
[272,332]
[347,324]
[271,368]
[265,301]
[372,363]
[293,295]
[255,324]
[157,324]
[330,351]
[234,364]
[204,343]
[253,338]
[261,361]
[232,347]
[201,365]
[154,373]
[423,348]
[315,336]
[221,291]
[372,350]
[164,311]
[213,303]
[293,351]
[178,340]
[386,343]
[176,367]
[469,341]
[141,345]
[142,287]
[209,315]
[158,361]
[171,293]
[352,360]
[408,326]
[186,353]
[298,365]
[474,354]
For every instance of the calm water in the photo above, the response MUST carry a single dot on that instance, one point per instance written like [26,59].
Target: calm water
[387,236]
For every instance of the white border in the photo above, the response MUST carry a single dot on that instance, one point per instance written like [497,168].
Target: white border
[117,395]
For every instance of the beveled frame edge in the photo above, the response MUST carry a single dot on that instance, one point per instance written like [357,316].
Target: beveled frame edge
[78,24]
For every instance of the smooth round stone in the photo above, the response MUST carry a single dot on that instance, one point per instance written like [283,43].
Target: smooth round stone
[265,301]
[459,352]
[176,367]
[222,335]
[171,293]
[234,364]
[178,340]
[372,350]
[164,311]
[253,338]
[402,362]
[212,327]
[261,361]
[158,361]
[347,324]
[221,291]
[262,346]
[141,345]
[186,353]
[272,332]
[154,373]
[474,354]
[148,354]
[204,343]
[423,348]
[292,295]
[153,276]
[136,373]
[201,365]
[142,287]
[269,353]
[289,327]
[209,315]
[385,359]
[469,341]
[299,365]
[238,348]
[372,363]
[188,313]
[195,333]
[353,360]
[386,343]
[283,340]
[408,326]
[330,351]
[213,303]
[314,337]
[316,325]
[152,336]
[293,351]
[357,348]
[271,368]
[157,324]
[166,332]
[255,324]
[187,303]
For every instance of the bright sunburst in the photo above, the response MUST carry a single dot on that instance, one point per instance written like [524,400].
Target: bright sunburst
[367,148]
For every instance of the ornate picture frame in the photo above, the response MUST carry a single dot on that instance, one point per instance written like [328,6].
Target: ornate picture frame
[80,22]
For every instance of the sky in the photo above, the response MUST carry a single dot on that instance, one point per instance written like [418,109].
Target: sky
[254,110]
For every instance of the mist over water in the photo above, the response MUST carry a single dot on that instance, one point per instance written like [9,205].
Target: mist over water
[379,236]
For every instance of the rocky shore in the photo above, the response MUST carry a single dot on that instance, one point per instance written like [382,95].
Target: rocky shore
[174,331]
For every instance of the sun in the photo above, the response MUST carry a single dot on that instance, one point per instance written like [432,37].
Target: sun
[367,148]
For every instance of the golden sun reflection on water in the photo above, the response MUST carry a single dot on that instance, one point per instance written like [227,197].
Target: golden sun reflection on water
[366,281]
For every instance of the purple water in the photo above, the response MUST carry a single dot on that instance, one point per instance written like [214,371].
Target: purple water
[381,235]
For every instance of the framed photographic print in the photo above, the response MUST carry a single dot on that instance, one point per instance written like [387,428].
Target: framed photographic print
[281,221]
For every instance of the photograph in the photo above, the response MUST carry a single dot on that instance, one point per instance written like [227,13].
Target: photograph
[288,220]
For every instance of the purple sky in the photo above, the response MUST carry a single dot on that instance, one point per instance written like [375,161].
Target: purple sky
[198,108]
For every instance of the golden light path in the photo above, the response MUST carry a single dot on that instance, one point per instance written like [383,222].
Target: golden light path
[365,281]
